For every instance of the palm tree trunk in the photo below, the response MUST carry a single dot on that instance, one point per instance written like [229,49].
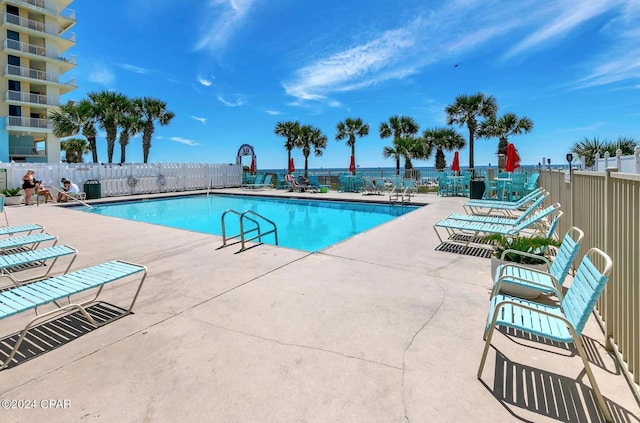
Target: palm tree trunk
[94,149]
[398,165]
[353,153]
[306,166]
[123,148]
[146,146]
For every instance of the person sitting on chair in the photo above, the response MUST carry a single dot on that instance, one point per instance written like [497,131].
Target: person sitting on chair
[68,187]
[303,181]
[40,190]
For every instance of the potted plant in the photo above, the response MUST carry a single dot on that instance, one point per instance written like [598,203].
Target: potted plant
[13,196]
[524,251]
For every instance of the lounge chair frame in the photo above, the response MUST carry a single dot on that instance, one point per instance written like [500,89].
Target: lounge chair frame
[9,262]
[19,299]
[533,224]
[562,323]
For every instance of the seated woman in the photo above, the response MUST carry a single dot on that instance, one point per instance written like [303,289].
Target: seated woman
[40,190]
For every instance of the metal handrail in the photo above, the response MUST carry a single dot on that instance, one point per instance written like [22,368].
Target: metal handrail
[68,196]
[242,234]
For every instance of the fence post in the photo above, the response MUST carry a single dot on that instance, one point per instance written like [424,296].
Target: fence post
[619,160]
[636,155]
[608,245]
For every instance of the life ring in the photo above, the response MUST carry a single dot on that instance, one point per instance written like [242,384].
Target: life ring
[132,181]
[161,180]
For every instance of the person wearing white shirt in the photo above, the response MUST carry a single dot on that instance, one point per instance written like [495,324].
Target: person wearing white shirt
[68,187]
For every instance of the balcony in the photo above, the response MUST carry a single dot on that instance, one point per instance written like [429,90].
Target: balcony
[26,151]
[36,74]
[40,51]
[19,122]
[39,99]
[39,27]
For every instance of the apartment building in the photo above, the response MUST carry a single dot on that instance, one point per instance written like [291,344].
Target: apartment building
[35,38]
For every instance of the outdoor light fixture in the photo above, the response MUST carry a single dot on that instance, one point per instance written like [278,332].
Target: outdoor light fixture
[549,163]
[569,159]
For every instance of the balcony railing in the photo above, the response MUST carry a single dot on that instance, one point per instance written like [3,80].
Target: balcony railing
[32,98]
[18,150]
[25,122]
[36,26]
[37,74]
[36,50]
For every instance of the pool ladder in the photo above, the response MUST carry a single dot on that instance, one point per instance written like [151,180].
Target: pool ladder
[243,233]
[397,196]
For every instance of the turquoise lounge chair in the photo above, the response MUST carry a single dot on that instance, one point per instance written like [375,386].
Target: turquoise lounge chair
[19,299]
[32,241]
[549,281]
[563,323]
[10,264]
[500,220]
[454,227]
[28,228]
[485,207]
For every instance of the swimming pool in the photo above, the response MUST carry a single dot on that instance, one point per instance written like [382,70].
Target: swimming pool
[308,225]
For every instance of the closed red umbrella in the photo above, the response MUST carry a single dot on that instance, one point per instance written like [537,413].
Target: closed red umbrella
[455,166]
[513,160]
[352,165]
[252,169]
[292,168]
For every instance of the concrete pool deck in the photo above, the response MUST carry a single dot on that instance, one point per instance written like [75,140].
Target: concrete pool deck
[378,328]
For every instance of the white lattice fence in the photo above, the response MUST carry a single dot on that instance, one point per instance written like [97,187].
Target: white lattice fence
[130,178]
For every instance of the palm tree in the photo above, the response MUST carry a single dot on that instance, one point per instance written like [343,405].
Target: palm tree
[626,144]
[130,125]
[151,110]
[502,128]
[309,139]
[465,111]
[73,118]
[290,130]
[588,148]
[350,129]
[109,110]
[441,139]
[402,147]
[402,128]
[74,149]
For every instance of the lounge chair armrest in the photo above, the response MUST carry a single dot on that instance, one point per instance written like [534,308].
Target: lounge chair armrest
[525,254]
[556,286]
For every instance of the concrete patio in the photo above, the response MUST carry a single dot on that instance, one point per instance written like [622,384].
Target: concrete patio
[378,328]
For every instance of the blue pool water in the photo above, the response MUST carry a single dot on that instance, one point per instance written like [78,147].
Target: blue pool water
[308,225]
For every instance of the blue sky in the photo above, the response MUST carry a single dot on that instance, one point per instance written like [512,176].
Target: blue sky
[231,69]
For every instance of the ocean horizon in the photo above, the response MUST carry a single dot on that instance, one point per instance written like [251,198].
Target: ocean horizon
[384,171]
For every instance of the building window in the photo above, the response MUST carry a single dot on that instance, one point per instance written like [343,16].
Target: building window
[14,85]
[12,10]
[12,35]
[15,110]
[13,60]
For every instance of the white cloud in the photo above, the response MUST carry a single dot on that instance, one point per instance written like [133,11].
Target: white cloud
[563,18]
[223,19]
[238,102]
[204,81]
[199,119]
[133,68]
[102,74]
[621,61]
[448,30]
[273,112]
[184,141]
